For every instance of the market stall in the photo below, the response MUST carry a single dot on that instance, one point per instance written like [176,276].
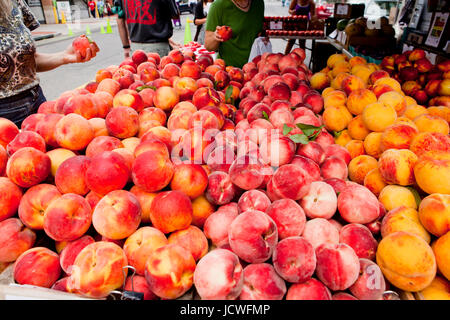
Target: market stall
[181,177]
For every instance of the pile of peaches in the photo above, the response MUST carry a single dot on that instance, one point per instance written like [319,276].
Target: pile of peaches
[210,182]
[399,150]
[427,83]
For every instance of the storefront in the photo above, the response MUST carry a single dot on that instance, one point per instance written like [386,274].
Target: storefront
[37,9]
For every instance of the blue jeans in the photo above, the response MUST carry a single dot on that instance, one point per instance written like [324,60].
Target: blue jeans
[17,108]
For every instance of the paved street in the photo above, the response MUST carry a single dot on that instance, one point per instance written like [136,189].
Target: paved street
[72,76]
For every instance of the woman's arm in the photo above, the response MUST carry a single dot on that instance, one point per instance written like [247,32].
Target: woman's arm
[50,61]
[198,22]
[292,7]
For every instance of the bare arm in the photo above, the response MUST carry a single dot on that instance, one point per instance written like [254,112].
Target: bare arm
[212,40]
[312,9]
[292,7]
[50,61]
[198,22]
[124,36]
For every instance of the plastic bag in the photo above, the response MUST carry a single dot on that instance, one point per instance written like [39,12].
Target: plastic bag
[259,47]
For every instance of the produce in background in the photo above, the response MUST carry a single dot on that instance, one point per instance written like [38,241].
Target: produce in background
[214,178]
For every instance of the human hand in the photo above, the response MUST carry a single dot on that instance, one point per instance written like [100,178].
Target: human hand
[174,45]
[71,55]
[217,36]
[126,52]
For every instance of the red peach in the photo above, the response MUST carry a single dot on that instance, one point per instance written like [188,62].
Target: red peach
[253,200]
[290,181]
[191,179]
[288,216]
[337,266]
[67,218]
[246,172]
[312,289]
[117,215]
[98,269]
[99,126]
[320,201]
[219,276]
[71,250]
[294,259]
[107,171]
[28,167]
[261,282]
[370,284]
[30,123]
[171,211]
[217,225]
[37,266]
[25,139]
[71,175]
[122,122]
[319,231]
[110,86]
[192,239]
[360,239]
[46,128]
[101,144]
[139,246]
[152,172]
[357,204]
[334,167]
[169,271]
[252,236]
[34,203]
[15,239]
[73,132]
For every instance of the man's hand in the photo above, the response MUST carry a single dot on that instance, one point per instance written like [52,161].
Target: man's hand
[217,36]
[126,52]
[174,45]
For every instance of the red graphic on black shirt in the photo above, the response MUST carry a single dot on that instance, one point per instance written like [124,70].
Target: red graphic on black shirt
[139,12]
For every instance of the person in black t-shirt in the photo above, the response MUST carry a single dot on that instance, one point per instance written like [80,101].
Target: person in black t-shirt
[147,25]
[200,13]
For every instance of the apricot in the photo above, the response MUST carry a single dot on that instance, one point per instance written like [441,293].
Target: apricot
[374,181]
[407,261]
[431,123]
[441,248]
[377,117]
[397,136]
[413,111]
[393,196]
[434,213]
[439,289]
[406,219]
[356,128]
[360,166]
[358,99]
[397,165]
[336,118]
[433,174]
[395,100]
[424,142]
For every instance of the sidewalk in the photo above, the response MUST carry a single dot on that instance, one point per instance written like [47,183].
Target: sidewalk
[47,31]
